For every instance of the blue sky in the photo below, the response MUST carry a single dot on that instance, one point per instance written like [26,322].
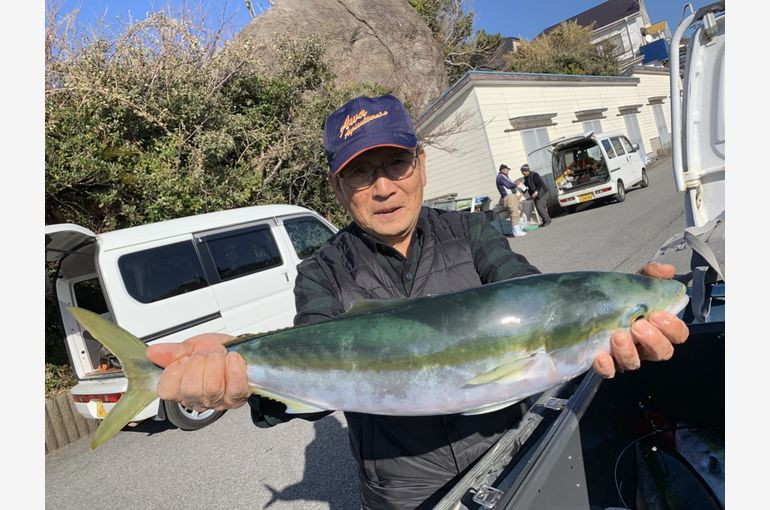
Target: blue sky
[518,18]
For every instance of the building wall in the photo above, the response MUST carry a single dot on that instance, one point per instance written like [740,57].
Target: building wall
[467,168]
[472,169]
[652,85]
[629,31]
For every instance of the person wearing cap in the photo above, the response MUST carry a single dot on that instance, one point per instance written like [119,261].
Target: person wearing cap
[509,199]
[393,248]
[539,193]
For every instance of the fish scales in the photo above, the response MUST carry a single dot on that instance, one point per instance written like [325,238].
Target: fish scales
[465,352]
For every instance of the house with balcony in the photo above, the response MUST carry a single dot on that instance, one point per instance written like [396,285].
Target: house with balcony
[626,24]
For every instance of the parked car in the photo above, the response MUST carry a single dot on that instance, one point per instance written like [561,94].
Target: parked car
[593,166]
[229,271]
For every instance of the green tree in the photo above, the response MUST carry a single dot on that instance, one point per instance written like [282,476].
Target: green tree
[567,49]
[451,22]
[163,120]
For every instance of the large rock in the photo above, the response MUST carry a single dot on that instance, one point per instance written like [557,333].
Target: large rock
[384,42]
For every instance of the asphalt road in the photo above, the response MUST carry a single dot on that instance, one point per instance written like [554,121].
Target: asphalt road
[231,464]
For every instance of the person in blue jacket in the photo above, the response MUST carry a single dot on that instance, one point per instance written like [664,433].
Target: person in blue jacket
[509,199]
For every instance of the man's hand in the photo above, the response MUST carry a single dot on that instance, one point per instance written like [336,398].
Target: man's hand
[649,339]
[200,373]
[534,194]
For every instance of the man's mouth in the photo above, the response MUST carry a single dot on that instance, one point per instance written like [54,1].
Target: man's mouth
[387,213]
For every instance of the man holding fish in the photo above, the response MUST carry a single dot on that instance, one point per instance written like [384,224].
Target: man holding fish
[394,249]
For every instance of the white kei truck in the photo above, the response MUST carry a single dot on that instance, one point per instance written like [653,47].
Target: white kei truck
[229,271]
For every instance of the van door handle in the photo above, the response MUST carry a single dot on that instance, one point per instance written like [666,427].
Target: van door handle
[286,277]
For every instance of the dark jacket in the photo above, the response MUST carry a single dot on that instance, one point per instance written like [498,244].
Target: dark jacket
[535,183]
[405,462]
[503,182]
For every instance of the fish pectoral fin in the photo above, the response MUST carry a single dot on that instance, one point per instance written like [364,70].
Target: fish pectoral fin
[374,305]
[506,372]
[292,406]
[488,409]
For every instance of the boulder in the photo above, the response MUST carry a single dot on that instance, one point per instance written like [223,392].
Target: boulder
[384,42]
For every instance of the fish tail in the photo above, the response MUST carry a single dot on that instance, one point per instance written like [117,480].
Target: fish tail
[142,374]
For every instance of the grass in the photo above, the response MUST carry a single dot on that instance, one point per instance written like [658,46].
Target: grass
[58,379]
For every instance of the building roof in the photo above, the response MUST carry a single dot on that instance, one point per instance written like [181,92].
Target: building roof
[603,14]
[491,77]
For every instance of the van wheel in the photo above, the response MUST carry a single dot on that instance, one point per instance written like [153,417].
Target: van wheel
[621,195]
[187,419]
[645,180]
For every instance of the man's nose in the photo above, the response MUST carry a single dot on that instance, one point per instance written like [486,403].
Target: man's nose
[382,185]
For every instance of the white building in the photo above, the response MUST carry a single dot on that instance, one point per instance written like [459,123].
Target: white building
[489,118]
[625,24]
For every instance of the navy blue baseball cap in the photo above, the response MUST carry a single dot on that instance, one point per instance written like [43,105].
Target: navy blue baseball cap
[365,123]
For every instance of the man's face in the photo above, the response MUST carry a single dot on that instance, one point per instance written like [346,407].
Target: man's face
[388,209]
[525,173]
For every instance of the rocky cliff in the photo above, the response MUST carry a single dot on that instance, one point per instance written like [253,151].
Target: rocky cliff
[384,42]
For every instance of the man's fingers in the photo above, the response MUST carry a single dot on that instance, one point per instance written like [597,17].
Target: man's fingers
[214,379]
[658,270]
[191,385]
[168,385]
[237,381]
[604,365]
[624,351]
[165,354]
[652,344]
[670,325]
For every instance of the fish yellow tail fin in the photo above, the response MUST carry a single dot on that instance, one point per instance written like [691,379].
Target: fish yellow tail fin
[142,374]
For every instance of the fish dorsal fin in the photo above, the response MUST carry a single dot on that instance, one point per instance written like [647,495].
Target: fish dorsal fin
[374,305]
[506,372]
[292,406]
[488,409]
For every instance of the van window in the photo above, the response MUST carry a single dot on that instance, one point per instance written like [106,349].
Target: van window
[626,144]
[617,146]
[307,235]
[243,252]
[608,148]
[162,272]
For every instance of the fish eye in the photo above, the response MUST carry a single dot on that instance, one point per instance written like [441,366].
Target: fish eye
[636,313]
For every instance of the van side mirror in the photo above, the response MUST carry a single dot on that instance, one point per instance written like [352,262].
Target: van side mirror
[635,146]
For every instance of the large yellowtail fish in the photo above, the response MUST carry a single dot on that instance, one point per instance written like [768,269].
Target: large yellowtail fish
[467,352]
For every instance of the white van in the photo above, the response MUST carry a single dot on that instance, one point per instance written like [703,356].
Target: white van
[593,166]
[228,271]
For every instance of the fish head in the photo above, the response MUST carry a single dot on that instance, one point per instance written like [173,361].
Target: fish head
[640,295]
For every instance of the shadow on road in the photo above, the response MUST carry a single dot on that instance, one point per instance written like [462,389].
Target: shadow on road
[330,473]
[150,427]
